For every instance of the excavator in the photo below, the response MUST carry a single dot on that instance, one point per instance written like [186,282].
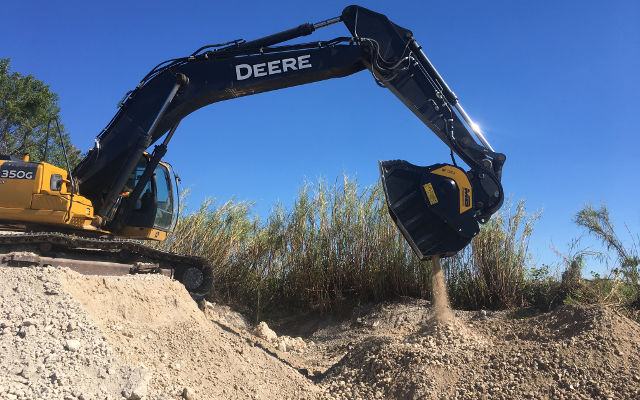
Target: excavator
[120,194]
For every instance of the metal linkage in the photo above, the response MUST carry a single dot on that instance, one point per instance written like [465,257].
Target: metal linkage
[474,127]
[327,22]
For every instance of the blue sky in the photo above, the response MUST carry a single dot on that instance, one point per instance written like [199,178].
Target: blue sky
[554,84]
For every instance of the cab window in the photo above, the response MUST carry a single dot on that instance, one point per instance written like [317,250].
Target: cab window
[164,191]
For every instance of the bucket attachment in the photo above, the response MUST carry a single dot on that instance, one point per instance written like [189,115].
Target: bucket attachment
[432,206]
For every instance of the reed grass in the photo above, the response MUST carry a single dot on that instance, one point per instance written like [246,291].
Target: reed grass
[336,246]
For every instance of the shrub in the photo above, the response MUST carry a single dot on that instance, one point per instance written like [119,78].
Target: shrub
[622,285]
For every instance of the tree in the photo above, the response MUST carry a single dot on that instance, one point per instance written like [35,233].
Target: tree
[26,108]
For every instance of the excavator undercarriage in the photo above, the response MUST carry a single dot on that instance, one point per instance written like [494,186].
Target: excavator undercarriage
[103,256]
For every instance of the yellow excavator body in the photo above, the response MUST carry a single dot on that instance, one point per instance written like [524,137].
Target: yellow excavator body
[39,194]
[46,222]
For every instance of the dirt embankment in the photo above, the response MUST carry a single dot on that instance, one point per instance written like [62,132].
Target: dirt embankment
[63,335]
[136,337]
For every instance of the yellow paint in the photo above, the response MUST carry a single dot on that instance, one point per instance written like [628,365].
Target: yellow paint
[431,194]
[33,201]
[16,193]
[138,232]
[461,179]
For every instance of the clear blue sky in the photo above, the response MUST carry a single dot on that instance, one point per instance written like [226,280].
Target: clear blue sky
[554,84]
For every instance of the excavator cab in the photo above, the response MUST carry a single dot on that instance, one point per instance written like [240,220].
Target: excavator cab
[153,213]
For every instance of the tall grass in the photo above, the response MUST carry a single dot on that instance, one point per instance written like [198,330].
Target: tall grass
[337,246]
[334,246]
[598,223]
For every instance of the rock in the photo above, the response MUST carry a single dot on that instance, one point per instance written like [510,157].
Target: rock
[50,289]
[72,345]
[282,346]
[28,371]
[137,385]
[188,394]
[28,330]
[264,332]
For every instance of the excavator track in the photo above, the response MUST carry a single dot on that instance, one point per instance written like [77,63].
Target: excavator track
[104,256]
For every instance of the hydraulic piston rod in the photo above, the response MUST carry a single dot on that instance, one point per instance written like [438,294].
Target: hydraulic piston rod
[474,127]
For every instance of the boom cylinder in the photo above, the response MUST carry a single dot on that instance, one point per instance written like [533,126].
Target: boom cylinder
[108,208]
[302,30]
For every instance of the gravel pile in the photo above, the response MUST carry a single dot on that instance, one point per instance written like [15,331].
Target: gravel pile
[68,336]
[50,349]
[575,352]
[151,321]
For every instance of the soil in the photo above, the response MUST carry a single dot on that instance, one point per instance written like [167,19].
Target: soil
[68,336]
[441,304]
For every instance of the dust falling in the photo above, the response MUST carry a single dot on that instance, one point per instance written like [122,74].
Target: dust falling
[439,286]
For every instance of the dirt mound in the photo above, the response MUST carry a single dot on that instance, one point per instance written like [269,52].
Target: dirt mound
[573,352]
[414,362]
[152,322]
[63,335]
[50,348]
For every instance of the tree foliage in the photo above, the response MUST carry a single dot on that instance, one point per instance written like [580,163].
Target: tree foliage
[26,108]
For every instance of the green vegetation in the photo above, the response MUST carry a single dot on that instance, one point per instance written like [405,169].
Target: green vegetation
[621,286]
[337,247]
[26,107]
